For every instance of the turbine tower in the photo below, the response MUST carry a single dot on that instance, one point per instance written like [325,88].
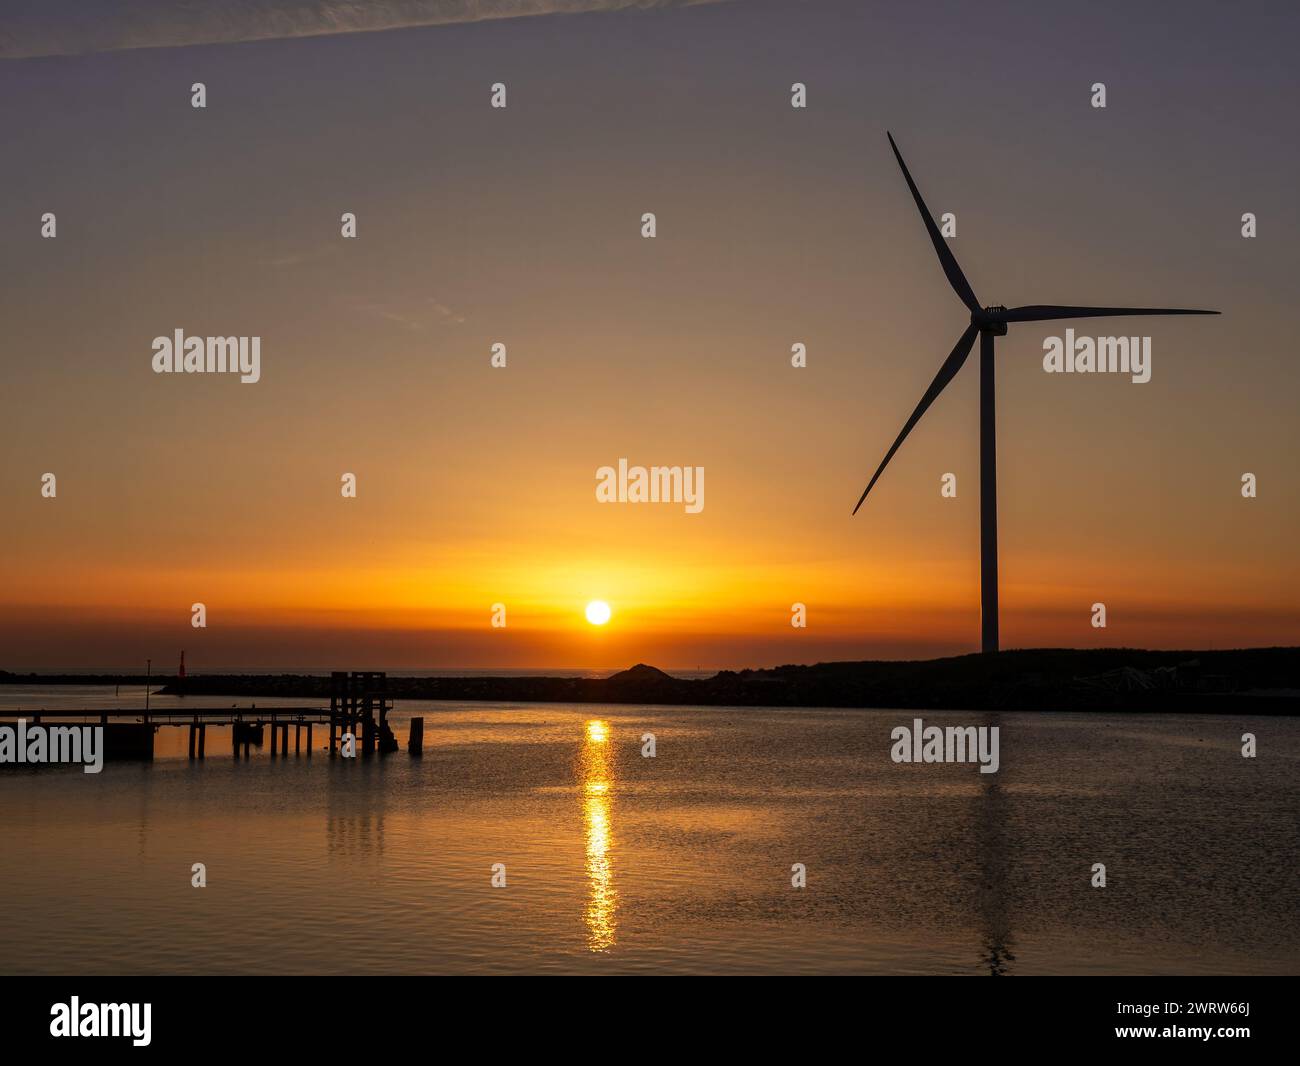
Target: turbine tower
[987,322]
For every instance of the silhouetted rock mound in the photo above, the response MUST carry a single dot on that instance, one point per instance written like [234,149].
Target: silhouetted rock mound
[640,674]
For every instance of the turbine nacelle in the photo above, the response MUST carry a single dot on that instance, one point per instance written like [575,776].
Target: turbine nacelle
[991,319]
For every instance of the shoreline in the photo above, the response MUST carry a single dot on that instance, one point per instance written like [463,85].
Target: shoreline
[1241,681]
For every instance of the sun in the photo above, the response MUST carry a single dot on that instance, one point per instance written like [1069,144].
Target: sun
[598,612]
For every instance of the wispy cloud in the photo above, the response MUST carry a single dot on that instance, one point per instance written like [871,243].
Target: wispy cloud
[299,257]
[417,316]
[73,27]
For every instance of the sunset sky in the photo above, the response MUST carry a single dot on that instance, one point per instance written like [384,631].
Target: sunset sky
[522,226]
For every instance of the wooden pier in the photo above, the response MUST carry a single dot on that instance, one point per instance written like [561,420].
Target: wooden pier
[359,705]
[360,701]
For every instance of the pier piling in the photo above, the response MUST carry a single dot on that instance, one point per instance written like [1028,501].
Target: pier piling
[415,744]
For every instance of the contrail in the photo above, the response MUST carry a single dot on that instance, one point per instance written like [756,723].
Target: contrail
[31,28]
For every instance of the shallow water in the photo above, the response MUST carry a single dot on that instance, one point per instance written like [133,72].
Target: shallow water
[678,863]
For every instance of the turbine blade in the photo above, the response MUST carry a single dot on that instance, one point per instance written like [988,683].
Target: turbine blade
[946,373]
[1044,312]
[946,259]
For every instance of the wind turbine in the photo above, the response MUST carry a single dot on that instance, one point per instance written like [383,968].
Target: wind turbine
[987,323]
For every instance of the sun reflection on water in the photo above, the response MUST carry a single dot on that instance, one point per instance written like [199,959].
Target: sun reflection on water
[597,804]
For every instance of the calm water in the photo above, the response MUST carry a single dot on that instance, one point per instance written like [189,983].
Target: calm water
[680,863]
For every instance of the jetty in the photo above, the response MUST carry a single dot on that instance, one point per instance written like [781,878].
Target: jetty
[359,706]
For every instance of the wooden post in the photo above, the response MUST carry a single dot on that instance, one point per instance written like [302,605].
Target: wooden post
[309,740]
[284,740]
[333,738]
[272,724]
[297,739]
[193,731]
[415,745]
[203,738]
[234,737]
